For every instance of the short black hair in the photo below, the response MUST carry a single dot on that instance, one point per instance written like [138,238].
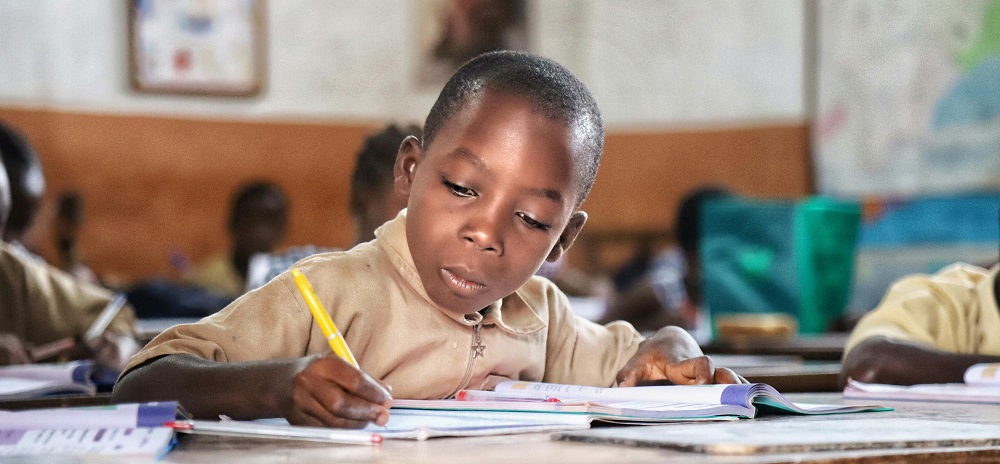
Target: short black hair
[373,170]
[255,193]
[20,159]
[687,224]
[556,93]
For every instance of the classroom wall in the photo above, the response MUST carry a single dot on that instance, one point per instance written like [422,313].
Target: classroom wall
[692,92]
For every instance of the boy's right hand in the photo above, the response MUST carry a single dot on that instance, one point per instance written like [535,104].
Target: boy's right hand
[327,391]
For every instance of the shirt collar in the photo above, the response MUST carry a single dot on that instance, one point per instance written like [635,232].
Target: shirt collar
[512,314]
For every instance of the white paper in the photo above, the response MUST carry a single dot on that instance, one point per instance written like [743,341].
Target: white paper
[151,442]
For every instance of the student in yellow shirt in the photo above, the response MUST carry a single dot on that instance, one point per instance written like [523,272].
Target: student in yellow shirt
[928,328]
[445,297]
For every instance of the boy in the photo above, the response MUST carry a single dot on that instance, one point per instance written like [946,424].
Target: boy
[928,329]
[257,224]
[444,298]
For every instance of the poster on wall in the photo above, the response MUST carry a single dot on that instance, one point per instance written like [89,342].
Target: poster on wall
[908,97]
[210,47]
[450,32]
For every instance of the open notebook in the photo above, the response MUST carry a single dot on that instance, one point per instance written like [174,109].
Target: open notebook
[982,385]
[632,404]
[120,430]
[33,380]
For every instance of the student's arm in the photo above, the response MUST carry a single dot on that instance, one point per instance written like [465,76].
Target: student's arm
[672,354]
[314,390]
[12,350]
[899,362]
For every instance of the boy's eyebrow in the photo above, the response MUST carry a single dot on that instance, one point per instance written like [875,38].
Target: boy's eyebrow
[468,155]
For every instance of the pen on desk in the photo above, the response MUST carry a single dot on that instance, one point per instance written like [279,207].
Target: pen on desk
[481,395]
[104,319]
[250,429]
[330,331]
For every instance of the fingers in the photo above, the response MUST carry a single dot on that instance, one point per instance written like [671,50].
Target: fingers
[724,375]
[331,392]
[355,381]
[694,371]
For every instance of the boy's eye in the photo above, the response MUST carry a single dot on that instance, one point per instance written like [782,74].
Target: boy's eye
[531,222]
[458,189]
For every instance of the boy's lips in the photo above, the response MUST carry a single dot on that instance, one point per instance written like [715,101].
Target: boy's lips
[460,284]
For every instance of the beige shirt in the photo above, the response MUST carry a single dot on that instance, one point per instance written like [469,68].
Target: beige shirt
[217,274]
[41,304]
[398,335]
[954,310]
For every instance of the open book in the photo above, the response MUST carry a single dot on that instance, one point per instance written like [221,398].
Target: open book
[122,429]
[982,385]
[34,380]
[632,404]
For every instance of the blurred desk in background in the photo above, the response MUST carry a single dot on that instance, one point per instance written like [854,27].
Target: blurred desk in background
[786,373]
[820,347]
[147,329]
[56,401]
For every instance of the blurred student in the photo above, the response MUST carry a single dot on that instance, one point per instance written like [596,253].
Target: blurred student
[928,329]
[373,201]
[69,219]
[257,223]
[26,180]
[42,305]
[669,292]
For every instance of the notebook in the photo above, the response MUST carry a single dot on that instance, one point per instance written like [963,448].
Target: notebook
[123,429]
[938,392]
[633,404]
[34,380]
[791,436]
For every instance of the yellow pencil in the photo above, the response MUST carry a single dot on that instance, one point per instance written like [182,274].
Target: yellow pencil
[323,319]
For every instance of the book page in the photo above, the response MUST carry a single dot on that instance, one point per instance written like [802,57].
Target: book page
[150,442]
[17,388]
[65,373]
[985,374]
[691,394]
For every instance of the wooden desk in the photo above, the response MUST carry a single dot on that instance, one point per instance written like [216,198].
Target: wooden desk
[59,401]
[539,448]
[806,377]
[822,347]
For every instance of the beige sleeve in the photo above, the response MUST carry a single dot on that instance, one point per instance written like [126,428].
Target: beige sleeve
[581,352]
[267,323]
[62,306]
[915,309]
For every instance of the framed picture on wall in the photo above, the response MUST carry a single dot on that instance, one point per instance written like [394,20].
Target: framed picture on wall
[207,47]
[451,32]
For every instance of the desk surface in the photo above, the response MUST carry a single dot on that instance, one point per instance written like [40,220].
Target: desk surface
[539,448]
[820,347]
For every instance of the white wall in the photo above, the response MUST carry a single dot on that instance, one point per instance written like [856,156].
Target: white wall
[648,62]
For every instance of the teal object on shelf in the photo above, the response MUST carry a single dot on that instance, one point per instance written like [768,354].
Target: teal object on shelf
[795,257]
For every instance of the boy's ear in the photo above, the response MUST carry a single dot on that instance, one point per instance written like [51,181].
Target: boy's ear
[568,235]
[409,157]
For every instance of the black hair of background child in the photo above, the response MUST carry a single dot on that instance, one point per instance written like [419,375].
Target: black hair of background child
[376,158]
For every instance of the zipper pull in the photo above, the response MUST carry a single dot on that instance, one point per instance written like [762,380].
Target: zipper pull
[477,343]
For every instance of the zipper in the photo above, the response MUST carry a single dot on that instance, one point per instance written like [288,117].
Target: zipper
[475,351]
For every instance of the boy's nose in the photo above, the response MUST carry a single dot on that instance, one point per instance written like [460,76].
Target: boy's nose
[484,236]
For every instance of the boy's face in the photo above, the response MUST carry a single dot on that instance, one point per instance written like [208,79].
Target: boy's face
[492,198]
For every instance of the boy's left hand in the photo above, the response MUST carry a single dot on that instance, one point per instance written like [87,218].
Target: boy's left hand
[673,355]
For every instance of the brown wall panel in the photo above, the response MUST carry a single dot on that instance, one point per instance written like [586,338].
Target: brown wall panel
[153,185]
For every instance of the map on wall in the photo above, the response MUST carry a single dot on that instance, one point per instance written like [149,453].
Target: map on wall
[908,97]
